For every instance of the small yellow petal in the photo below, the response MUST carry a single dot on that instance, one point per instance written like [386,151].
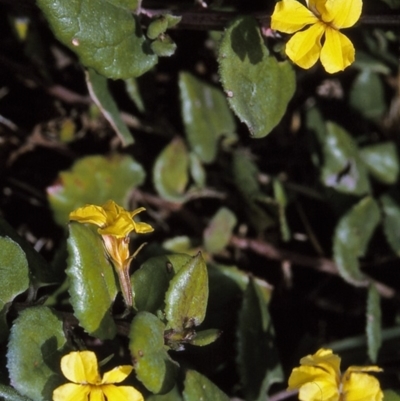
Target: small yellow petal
[120,227]
[317,7]
[117,374]
[97,394]
[304,47]
[71,392]
[337,52]
[121,393]
[326,360]
[91,214]
[306,374]
[290,16]
[319,390]
[143,228]
[81,367]
[343,13]
[361,387]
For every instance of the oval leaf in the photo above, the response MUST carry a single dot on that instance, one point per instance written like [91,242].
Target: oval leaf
[351,238]
[94,179]
[92,283]
[382,161]
[259,366]
[34,353]
[9,394]
[258,87]
[343,168]
[153,366]
[219,231]
[170,173]
[104,35]
[374,328]
[206,116]
[198,387]
[14,278]
[187,295]
[391,222]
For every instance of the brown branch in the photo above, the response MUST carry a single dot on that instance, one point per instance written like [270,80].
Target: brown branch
[324,265]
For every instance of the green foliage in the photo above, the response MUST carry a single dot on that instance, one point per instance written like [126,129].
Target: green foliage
[94,179]
[36,344]
[258,87]
[92,282]
[105,35]
[198,387]
[391,221]
[374,329]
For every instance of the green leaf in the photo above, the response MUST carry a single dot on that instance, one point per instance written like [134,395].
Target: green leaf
[173,395]
[105,36]
[205,337]
[206,116]
[35,349]
[92,282]
[132,88]
[157,27]
[258,87]
[150,283]
[198,387]
[382,161]
[281,199]
[259,366]
[98,89]
[39,269]
[187,295]
[95,180]
[163,46]
[367,95]
[391,222]
[391,395]
[219,230]
[170,173]
[351,238]
[374,328]
[9,394]
[343,167]
[197,170]
[14,278]
[153,366]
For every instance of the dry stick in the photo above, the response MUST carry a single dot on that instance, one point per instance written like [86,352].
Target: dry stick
[321,264]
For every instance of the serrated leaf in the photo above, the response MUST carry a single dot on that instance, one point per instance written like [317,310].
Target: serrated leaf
[92,282]
[187,295]
[259,367]
[206,116]
[343,167]
[9,394]
[258,87]
[34,352]
[95,180]
[219,230]
[100,94]
[382,161]
[150,283]
[170,172]
[40,270]
[153,366]
[14,278]
[391,222]
[198,387]
[105,36]
[351,238]
[373,329]
[367,95]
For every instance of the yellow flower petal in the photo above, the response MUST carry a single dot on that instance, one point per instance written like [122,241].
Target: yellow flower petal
[117,374]
[290,16]
[304,47]
[343,13]
[319,390]
[97,394]
[306,374]
[91,214]
[81,367]
[143,228]
[324,359]
[121,393]
[120,227]
[71,392]
[361,387]
[337,52]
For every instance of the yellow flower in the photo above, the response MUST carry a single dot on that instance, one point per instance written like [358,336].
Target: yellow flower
[319,379]
[325,17]
[115,223]
[111,218]
[81,368]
